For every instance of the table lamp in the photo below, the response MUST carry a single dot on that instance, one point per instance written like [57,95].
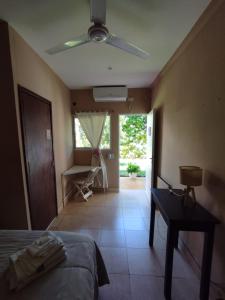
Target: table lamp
[190,176]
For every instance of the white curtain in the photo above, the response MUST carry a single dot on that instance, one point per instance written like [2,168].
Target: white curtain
[93,125]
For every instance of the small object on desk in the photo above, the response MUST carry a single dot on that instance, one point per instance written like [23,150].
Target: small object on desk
[190,176]
[180,218]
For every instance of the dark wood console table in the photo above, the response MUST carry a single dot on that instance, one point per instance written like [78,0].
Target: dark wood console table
[181,218]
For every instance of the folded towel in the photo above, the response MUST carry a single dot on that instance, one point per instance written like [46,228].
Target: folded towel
[28,260]
[16,285]
[35,260]
[47,242]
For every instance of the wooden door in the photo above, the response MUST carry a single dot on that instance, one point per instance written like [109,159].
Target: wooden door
[149,179]
[36,125]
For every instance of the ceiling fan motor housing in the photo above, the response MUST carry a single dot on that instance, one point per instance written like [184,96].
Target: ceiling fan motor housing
[98,33]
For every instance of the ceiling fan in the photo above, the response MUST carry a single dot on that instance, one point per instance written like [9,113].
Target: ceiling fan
[98,33]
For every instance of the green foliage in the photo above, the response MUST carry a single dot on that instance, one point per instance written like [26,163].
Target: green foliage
[82,141]
[133,136]
[133,168]
[123,173]
[124,164]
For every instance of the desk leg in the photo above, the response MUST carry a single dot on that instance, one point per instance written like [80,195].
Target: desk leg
[206,264]
[152,222]
[171,242]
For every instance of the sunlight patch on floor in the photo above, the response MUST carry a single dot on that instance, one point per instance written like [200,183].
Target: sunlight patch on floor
[137,183]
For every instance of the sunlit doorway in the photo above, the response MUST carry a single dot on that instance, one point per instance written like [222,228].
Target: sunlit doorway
[132,159]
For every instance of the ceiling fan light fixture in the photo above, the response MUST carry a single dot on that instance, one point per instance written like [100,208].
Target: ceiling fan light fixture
[72,43]
[98,33]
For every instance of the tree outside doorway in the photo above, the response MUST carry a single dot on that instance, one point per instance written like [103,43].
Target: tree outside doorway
[133,143]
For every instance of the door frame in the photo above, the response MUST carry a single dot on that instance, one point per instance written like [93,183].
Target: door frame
[21,90]
[125,114]
[153,148]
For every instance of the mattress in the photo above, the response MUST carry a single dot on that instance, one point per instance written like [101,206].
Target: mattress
[78,277]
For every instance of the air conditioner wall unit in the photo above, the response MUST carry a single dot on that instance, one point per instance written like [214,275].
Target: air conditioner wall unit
[110,93]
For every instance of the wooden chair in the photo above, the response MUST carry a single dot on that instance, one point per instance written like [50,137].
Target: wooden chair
[83,184]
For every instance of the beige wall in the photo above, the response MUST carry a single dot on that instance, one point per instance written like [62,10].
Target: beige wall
[31,72]
[189,95]
[82,100]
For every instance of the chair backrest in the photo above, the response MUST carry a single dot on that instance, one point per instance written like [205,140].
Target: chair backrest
[92,174]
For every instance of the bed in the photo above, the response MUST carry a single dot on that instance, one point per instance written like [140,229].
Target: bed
[78,277]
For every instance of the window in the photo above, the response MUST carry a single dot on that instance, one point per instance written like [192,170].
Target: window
[82,142]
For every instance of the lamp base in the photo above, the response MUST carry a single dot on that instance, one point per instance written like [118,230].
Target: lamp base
[189,201]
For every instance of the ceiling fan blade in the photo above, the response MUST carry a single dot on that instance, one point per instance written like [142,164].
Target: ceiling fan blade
[118,42]
[98,11]
[77,41]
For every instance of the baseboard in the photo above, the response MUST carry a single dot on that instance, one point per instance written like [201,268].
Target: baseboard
[113,190]
[68,195]
[52,224]
[101,190]
[216,291]
[60,208]
[187,253]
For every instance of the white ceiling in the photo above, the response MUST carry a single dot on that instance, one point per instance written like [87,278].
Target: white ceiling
[157,26]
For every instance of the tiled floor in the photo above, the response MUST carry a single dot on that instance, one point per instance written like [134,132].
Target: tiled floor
[119,223]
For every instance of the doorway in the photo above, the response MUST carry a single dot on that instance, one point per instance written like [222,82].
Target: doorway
[150,152]
[36,122]
[133,151]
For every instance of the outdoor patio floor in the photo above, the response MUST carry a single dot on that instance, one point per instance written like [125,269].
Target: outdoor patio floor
[128,183]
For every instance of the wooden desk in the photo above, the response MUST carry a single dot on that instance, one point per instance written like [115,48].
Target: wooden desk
[178,217]
[76,169]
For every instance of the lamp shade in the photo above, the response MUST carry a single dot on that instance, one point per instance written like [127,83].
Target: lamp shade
[190,175]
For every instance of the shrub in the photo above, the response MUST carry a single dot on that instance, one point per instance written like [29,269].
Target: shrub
[132,168]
